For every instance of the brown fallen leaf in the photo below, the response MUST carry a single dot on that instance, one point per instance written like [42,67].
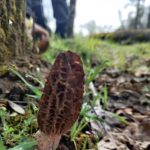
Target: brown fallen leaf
[147,95]
[3,103]
[143,70]
[121,141]
[17,108]
[125,111]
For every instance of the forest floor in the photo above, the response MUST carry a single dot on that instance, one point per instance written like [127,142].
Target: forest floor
[115,114]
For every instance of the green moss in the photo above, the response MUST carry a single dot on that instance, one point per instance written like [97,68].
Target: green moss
[12,9]
[4,53]
[2,35]
[13,40]
[4,17]
[20,10]
[3,69]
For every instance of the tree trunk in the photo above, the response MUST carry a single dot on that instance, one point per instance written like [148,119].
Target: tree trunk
[72,11]
[12,29]
[148,19]
[137,17]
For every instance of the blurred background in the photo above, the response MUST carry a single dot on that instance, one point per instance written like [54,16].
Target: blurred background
[105,15]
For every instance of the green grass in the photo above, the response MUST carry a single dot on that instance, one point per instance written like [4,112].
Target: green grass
[116,55]
[85,47]
[18,127]
[123,56]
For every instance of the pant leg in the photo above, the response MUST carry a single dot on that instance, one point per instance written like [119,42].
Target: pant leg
[61,14]
[28,8]
[37,8]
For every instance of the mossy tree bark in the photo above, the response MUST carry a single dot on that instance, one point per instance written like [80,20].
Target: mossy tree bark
[12,29]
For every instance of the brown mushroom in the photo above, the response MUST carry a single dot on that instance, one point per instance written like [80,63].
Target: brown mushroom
[61,100]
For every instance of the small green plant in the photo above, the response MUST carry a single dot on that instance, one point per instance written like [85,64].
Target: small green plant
[77,128]
[1,144]
[85,144]
[87,115]
[34,89]
[104,97]
[121,119]
[25,145]
[17,127]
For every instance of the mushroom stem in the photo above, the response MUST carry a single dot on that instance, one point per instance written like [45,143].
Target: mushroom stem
[47,142]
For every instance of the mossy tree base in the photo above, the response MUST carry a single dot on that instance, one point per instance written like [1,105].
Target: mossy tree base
[12,29]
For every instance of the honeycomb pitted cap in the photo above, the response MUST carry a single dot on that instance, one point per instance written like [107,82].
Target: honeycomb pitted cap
[62,95]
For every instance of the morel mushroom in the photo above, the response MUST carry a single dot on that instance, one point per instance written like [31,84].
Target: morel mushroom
[61,100]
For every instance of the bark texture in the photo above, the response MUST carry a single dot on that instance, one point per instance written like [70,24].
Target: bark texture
[12,29]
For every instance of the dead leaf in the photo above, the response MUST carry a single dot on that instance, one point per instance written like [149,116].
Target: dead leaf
[121,141]
[125,111]
[143,70]
[110,142]
[17,108]
[147,95]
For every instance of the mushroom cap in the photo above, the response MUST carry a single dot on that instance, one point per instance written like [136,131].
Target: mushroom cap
[61,101]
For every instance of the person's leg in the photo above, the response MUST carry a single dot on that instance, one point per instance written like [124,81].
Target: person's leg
[28,8]
[61,15]
[38,11]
